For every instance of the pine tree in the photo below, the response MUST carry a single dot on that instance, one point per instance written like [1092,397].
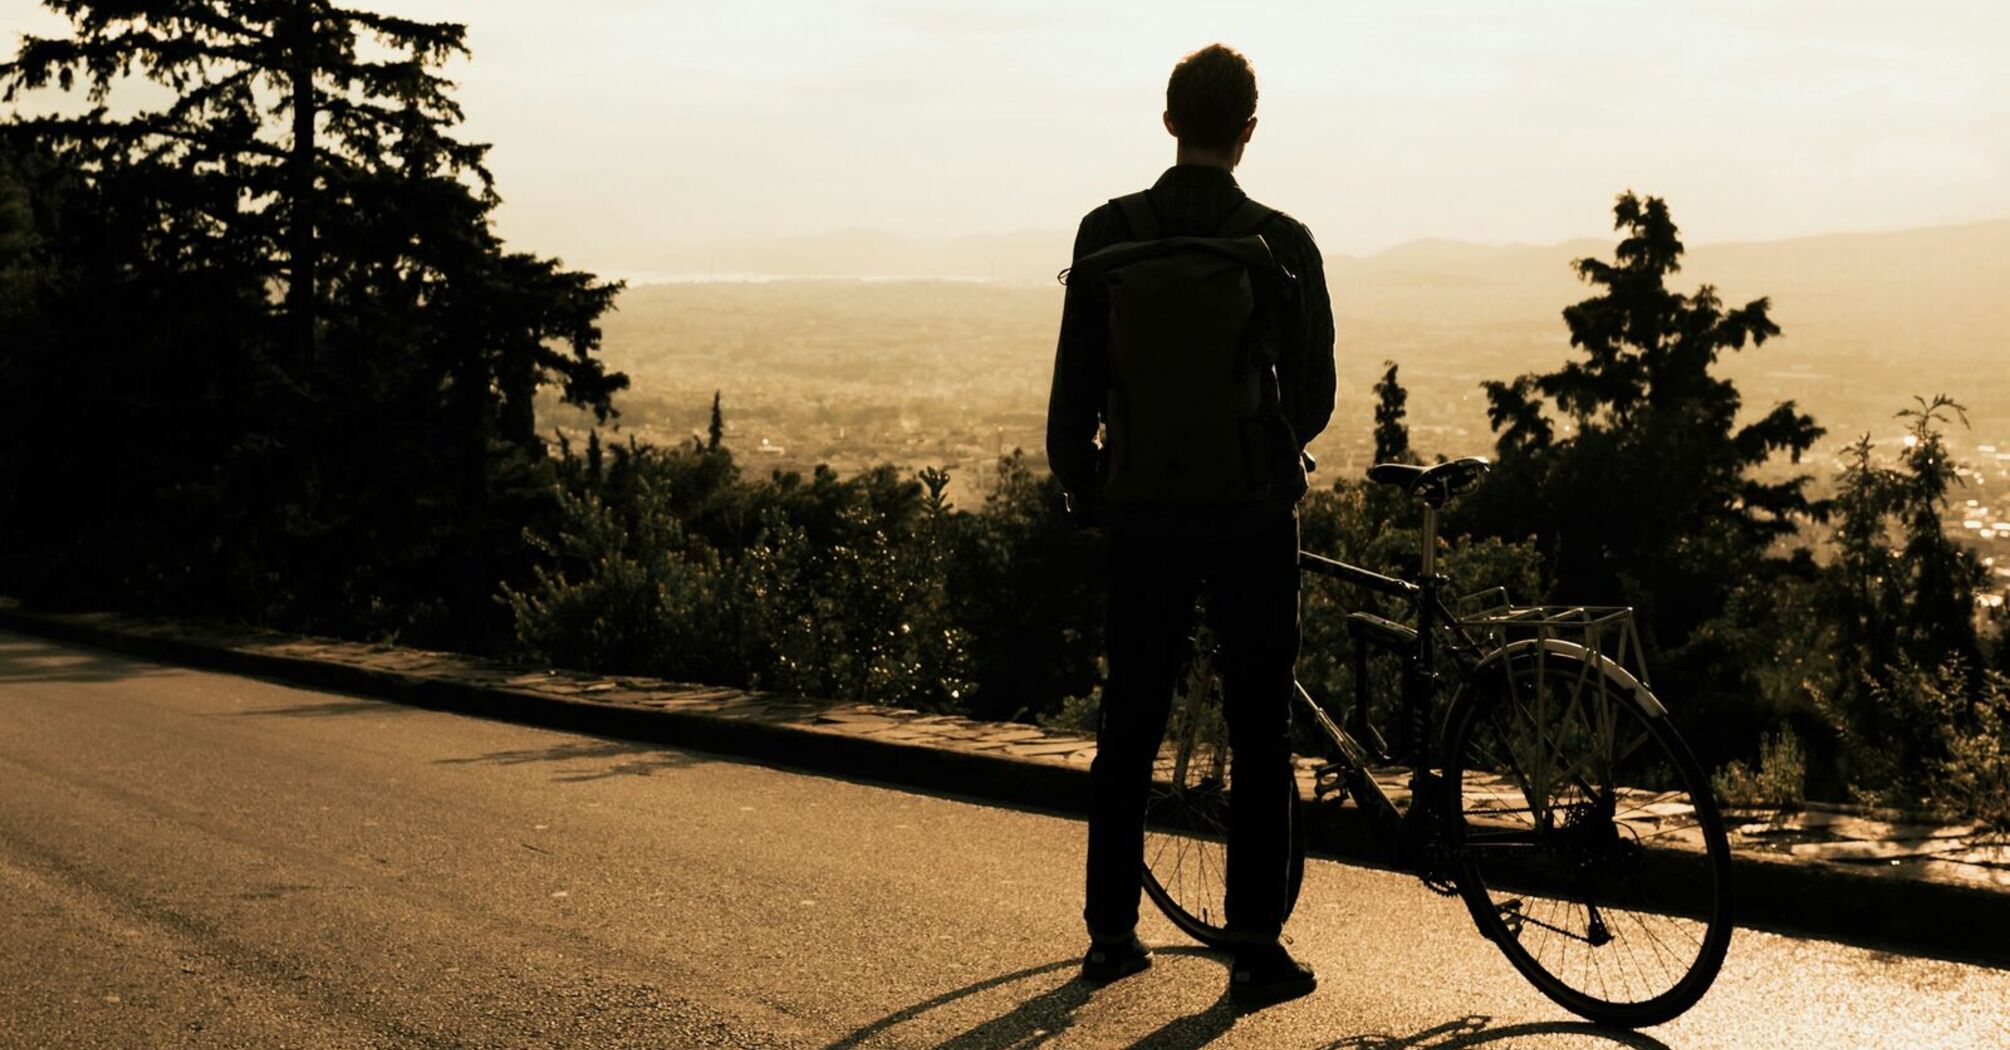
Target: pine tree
[716,431]
[19,272]
[1647,493]
[1392,437]
[242,178]
[286,112]
[381,412]
[1629,469]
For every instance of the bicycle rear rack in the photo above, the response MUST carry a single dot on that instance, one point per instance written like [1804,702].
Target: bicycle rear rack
[1606,631]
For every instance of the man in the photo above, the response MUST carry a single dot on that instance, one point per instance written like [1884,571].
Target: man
[1163,549]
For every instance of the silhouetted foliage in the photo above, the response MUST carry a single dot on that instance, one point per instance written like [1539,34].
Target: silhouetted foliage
[21,270]
[1392,437]
[1629,470]
[1030,645]
[1941,577]
[280,301]
[1954,755]
[1899,597]
[671,565]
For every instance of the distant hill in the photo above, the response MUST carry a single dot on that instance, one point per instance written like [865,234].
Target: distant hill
[1938,292]
[1944,287]
[1869,319]
[1851,305]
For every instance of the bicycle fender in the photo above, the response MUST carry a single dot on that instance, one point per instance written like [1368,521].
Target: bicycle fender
[1621,679]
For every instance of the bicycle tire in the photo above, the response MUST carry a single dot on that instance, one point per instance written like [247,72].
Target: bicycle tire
[1184,869]
[1542,892]
[1197,906]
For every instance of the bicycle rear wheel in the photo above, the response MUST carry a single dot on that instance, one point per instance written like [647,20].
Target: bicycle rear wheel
[1588,844]
[1186,814]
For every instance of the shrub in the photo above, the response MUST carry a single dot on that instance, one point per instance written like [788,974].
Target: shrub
[1959,729]
[1974,781]
[1779,782]
[866,620]
[838,592]
[1027,586]
[642,598]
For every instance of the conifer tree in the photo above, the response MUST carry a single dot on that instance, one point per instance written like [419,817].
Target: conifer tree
[1647,492]
[1629,469]
[1392,437]
[300,224]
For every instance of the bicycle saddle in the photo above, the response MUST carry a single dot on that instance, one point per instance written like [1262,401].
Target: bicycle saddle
[1435,484]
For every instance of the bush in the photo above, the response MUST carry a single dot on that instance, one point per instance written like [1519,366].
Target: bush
[867,620]
[1079,714]
[838,592]
[1779,782]
[1975,778]
[1028,587]
[1958,740]
[642,598]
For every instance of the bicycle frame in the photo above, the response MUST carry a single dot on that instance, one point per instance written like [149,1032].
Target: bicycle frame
[1358,745]
[1537,752]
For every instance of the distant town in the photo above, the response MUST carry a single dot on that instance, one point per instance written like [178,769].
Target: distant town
[1982,519]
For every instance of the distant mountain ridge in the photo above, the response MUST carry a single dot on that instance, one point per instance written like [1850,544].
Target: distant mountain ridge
[1037,255]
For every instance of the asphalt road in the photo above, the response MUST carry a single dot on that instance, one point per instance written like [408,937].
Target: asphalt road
[191,859]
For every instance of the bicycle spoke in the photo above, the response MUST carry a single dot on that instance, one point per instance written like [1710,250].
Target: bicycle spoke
[1537,813]
[1153,860]
[1185,865]
[1598,847]
[1552,927]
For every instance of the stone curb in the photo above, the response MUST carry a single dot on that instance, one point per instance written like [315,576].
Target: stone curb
[1880,905]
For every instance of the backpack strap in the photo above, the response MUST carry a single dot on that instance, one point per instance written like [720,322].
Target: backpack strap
[1137,209]
[1246,219]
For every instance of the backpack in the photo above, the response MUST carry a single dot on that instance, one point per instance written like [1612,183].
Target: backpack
[1192,412]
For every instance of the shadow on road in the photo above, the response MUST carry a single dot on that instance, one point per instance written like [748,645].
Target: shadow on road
[32,660]
[1473,1032]
[612,758]
[1195,1029]
[326,709]
[1028,1023]
[1046,1016]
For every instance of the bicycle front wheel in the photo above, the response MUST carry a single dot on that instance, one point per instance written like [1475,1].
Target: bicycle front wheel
[1186,813]
[1588,844]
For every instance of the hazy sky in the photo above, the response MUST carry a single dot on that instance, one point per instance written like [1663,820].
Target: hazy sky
[621,126]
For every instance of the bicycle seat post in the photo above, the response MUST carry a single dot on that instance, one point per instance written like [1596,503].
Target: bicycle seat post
[1429,563]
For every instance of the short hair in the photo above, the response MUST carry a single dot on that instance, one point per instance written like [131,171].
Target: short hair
[1210,96]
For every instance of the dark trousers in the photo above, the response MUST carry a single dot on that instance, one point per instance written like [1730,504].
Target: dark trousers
[1252,604]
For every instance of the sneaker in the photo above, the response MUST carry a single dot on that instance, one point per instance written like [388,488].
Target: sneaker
[1268,975]
[1109,960]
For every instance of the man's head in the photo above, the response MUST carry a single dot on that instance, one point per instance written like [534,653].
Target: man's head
[1211,105]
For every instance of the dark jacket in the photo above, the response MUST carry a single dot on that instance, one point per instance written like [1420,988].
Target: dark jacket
[1191,200]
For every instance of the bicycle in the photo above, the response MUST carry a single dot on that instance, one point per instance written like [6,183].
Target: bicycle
[1553,795]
